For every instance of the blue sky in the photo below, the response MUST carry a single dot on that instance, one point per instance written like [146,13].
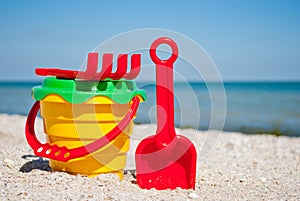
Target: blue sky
[248,40]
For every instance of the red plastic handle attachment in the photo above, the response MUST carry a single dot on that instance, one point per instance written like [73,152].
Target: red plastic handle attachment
[63,153]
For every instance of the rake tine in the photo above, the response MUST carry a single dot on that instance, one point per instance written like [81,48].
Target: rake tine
[135,67]
[91,69]
[121,67]
[107,60]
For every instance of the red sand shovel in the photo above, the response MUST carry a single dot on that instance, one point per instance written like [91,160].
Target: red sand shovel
[166,160]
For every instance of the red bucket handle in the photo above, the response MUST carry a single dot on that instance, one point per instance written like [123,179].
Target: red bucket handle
[63,153]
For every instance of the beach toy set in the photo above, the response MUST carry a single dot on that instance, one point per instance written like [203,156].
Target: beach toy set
[88,119]
[87,122]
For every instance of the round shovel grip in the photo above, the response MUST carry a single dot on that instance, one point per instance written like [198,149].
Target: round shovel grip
[65,154]
[167,62]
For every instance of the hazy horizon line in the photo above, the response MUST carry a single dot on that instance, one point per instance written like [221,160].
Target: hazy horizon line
[189,81]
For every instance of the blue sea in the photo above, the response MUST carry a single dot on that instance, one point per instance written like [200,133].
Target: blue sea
[249,107]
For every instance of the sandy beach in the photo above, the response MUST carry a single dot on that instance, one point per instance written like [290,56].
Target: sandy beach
[232,166]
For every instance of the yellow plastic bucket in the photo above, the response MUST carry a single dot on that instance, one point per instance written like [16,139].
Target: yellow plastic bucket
[74,125]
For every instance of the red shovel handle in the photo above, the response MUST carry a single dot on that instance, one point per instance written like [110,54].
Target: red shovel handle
[165,132]
[158,42]
[63,153]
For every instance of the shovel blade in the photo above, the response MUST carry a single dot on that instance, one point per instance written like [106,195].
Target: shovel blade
[169,167]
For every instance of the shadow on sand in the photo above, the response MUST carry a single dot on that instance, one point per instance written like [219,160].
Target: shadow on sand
[38,163]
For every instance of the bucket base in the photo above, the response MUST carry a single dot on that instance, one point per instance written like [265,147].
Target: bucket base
[90,167]
[120,174]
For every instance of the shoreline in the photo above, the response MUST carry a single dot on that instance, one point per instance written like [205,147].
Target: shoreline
[246,131]
[231,166]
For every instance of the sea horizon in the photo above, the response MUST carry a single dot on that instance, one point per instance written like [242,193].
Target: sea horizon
[253,107]
[189,81]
